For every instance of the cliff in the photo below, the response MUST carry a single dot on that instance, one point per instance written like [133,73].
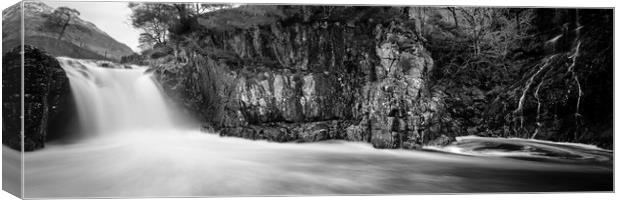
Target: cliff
[395,77]
[304,80]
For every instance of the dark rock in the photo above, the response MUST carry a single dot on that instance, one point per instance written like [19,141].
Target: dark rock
[411,145]
[472,130]
[314,132]
[45,90]
[356,133]
[105,65]
[442,140]
[289,132]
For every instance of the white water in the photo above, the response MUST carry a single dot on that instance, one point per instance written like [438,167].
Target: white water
[525,149]
[115,99]
[134,148]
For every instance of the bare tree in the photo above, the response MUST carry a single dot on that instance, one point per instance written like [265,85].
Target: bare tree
[454,16]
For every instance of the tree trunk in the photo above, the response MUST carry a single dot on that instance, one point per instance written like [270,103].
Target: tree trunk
[64,27]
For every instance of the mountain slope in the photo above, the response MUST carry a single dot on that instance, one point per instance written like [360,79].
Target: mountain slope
[82,39]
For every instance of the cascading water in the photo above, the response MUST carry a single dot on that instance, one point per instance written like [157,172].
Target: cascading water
[116,99]
[148,154]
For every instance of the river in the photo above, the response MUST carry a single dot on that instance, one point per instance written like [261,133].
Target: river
[133,147]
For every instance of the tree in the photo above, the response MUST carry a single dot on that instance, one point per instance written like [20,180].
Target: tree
[147,41]
[478,21]
[163,22]
[60,19]
[454,16]
[154,20]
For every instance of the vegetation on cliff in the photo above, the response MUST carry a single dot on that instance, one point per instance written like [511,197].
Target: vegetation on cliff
[534,76]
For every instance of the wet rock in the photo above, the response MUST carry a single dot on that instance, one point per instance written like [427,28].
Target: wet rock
[356,133]
[314,132]
[411,145]
[290,132]
[442,140]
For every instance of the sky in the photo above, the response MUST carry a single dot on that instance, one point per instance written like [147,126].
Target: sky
[111,17]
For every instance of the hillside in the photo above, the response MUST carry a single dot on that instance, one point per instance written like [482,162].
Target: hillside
[82,38]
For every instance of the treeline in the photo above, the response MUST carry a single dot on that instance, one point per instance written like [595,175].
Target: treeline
[527,72]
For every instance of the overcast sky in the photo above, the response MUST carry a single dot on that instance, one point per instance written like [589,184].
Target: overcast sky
[111,17]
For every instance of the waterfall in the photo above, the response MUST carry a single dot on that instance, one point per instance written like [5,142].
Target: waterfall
[116,99]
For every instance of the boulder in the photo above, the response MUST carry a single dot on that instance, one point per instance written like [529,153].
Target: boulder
[46,92]
[442,140]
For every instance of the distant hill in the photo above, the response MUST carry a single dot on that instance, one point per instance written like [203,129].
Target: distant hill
[82,39]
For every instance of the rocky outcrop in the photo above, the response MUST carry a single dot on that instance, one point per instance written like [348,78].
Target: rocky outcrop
[275,105]
[316,81]
[397,109]
[46,89]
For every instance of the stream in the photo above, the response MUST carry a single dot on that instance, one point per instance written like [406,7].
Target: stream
[132,146]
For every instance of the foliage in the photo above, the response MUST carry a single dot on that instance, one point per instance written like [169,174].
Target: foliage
[521,72]
[154,21]
[475,46]
[163,22]
[532,66]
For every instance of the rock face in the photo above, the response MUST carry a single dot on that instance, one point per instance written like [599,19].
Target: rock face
[46,89]
[303,73]
[320,81]
[395,108]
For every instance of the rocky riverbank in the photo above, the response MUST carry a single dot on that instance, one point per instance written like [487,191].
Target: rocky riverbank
[383,79]
[324,81]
